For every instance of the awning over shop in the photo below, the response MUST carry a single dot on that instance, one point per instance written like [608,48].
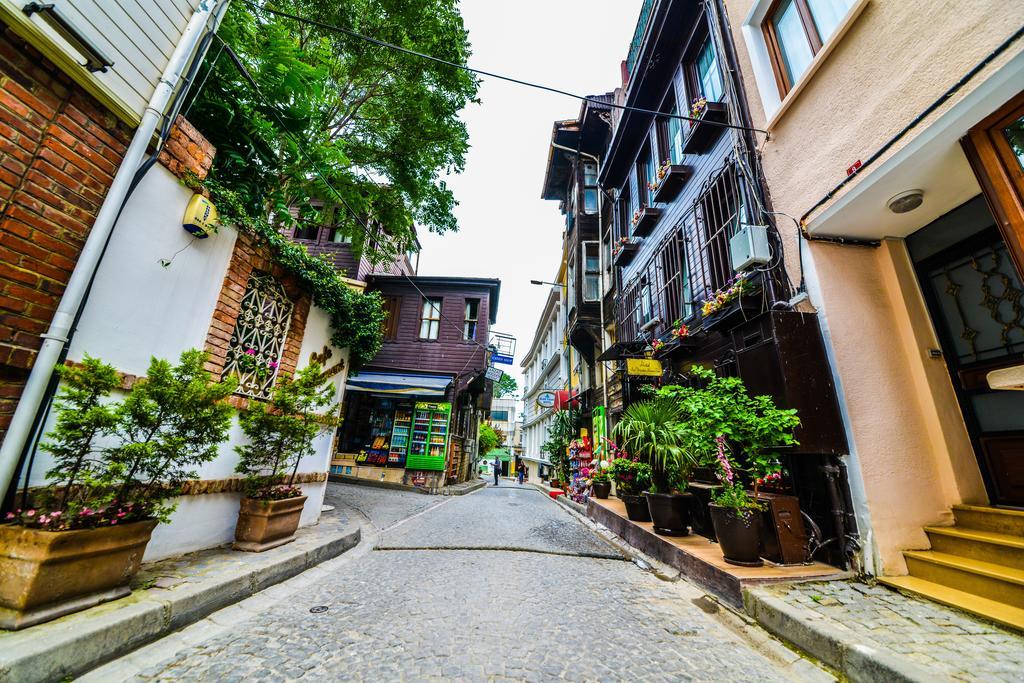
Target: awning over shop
[409,385]
[620,350]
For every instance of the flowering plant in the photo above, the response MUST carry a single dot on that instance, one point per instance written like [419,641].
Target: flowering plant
[248,362]
[620,244]
[657,345]
[653,187]
[83,518]
[631,476]
[663,170]
[599,476]
[679,330]
[637,215]
[698,107]
[733,289]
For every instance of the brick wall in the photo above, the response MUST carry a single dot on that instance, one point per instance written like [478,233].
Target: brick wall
[59,150]
[187,151]
[247,257]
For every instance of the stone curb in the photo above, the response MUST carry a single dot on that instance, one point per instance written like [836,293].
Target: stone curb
[464,488]
[839,649]
[454,490]
[80,642]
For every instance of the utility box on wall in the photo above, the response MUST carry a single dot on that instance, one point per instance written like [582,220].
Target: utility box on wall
[749,247]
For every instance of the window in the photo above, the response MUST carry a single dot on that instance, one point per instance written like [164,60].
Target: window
[622,212]
[645,304]
[338,236]
[257,343]
[307,231]
[795,32]
[472,316]
[590,193]
[674,128]
[392,313]
[430,319]
[591,271]
[709,77]
[644,173]
[499,415]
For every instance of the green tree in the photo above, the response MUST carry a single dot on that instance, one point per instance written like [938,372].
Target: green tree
[488,438]
[506,386]
[381,127]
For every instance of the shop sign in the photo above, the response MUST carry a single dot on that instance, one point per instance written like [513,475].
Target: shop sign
[494,374]
[600,432]
[503,359]
[643,367]
[546,399]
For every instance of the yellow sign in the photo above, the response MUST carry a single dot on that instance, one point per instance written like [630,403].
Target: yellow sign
[643,367]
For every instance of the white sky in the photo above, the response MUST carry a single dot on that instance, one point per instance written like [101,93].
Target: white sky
[505,229]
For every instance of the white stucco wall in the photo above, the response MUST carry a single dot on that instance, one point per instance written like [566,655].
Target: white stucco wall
[139,309]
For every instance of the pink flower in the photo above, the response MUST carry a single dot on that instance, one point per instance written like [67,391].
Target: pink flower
[55,514]
[10,515]
[31,513]
[723,459]
[250,352]
[272,365]
[113,522]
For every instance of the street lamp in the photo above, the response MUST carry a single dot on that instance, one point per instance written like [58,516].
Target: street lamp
[544,282]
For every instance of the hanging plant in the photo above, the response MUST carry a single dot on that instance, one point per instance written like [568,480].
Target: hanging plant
[732,290]
[698,107]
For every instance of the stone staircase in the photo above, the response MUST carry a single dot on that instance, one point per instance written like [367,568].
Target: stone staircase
[976,565]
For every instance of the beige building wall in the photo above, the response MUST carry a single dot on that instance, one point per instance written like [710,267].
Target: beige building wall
[911,457]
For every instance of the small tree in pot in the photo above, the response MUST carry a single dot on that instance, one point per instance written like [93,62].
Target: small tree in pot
[736,434]
[652,430]
[280,434]
[117,466]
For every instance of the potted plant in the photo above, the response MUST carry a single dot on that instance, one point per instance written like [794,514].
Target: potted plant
[600,480]
[652,430]
[737,435]
[561,432]
[632,477]
[280,434]
[116,468]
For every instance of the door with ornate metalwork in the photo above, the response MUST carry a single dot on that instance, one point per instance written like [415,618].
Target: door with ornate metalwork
[976,300]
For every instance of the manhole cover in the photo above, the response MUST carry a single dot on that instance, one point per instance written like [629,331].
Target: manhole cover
[319,609]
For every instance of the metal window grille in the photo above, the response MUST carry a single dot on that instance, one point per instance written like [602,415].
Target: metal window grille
[691,263]
[260,333]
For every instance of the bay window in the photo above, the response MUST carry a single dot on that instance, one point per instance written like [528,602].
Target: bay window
[590,192]
[591,271]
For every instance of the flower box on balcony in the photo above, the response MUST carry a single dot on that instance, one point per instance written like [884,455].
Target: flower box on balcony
[645,220]
[624,254]
[670,186]
[704,132]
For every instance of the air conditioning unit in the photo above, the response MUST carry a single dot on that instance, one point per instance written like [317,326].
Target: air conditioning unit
[749,247]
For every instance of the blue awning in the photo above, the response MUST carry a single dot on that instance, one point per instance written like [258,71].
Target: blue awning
[410,385]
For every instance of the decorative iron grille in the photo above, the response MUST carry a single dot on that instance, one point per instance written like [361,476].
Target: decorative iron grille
[260,333]
[691,263]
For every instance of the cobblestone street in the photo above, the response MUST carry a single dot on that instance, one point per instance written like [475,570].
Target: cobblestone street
[555,602]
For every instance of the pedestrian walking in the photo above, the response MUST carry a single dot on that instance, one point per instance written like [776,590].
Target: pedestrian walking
[497,469]
[520,474]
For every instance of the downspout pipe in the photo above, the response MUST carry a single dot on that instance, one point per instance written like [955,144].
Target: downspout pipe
[57,335]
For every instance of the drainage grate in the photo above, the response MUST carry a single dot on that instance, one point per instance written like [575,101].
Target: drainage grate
[319,609]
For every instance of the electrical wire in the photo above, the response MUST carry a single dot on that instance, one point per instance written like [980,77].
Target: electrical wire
[491,74]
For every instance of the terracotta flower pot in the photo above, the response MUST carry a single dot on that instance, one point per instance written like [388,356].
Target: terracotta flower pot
[670,513]
[602,489]
[47,574]
[739,534]
[266,524]
[636,507]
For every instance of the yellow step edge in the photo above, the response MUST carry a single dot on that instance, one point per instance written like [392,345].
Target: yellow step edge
[991,510]
[1000,613]
[966,564]
[980,535]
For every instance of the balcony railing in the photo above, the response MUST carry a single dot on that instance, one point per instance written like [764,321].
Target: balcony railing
[638,36]
[690,264]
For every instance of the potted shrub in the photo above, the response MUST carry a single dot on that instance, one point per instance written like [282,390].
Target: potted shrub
[116,466]
[652,430]
[561,432]
[600,480]
[280,434]
[632,477]
[737,435]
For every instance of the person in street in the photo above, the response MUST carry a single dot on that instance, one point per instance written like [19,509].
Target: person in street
[497,469]
[520,474]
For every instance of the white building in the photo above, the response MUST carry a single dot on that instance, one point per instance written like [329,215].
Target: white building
[545,368]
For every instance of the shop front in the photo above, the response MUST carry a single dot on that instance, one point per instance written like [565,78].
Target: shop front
[396,428]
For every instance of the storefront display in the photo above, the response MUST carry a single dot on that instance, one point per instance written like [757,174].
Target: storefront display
[429,443]
[400,436]
[581,459]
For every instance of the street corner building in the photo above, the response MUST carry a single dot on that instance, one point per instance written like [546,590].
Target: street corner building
[72,139]
[411,415]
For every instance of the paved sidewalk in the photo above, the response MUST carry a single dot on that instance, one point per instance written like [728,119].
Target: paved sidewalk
[912,639]
[166,596]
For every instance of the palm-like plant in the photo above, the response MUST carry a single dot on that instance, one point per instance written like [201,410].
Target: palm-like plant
[653,430]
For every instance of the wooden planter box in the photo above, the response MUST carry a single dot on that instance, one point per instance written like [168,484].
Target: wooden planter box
[672,184]
[648,220]
[266,524]
[704,132]
[47,574]
[625,255]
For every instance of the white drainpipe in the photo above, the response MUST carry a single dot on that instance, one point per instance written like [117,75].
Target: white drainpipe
[60,327]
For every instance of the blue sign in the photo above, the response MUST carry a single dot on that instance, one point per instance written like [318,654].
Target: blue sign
[498,358]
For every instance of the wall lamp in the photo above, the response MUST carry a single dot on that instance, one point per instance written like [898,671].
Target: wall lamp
[95,60]
[543,282]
